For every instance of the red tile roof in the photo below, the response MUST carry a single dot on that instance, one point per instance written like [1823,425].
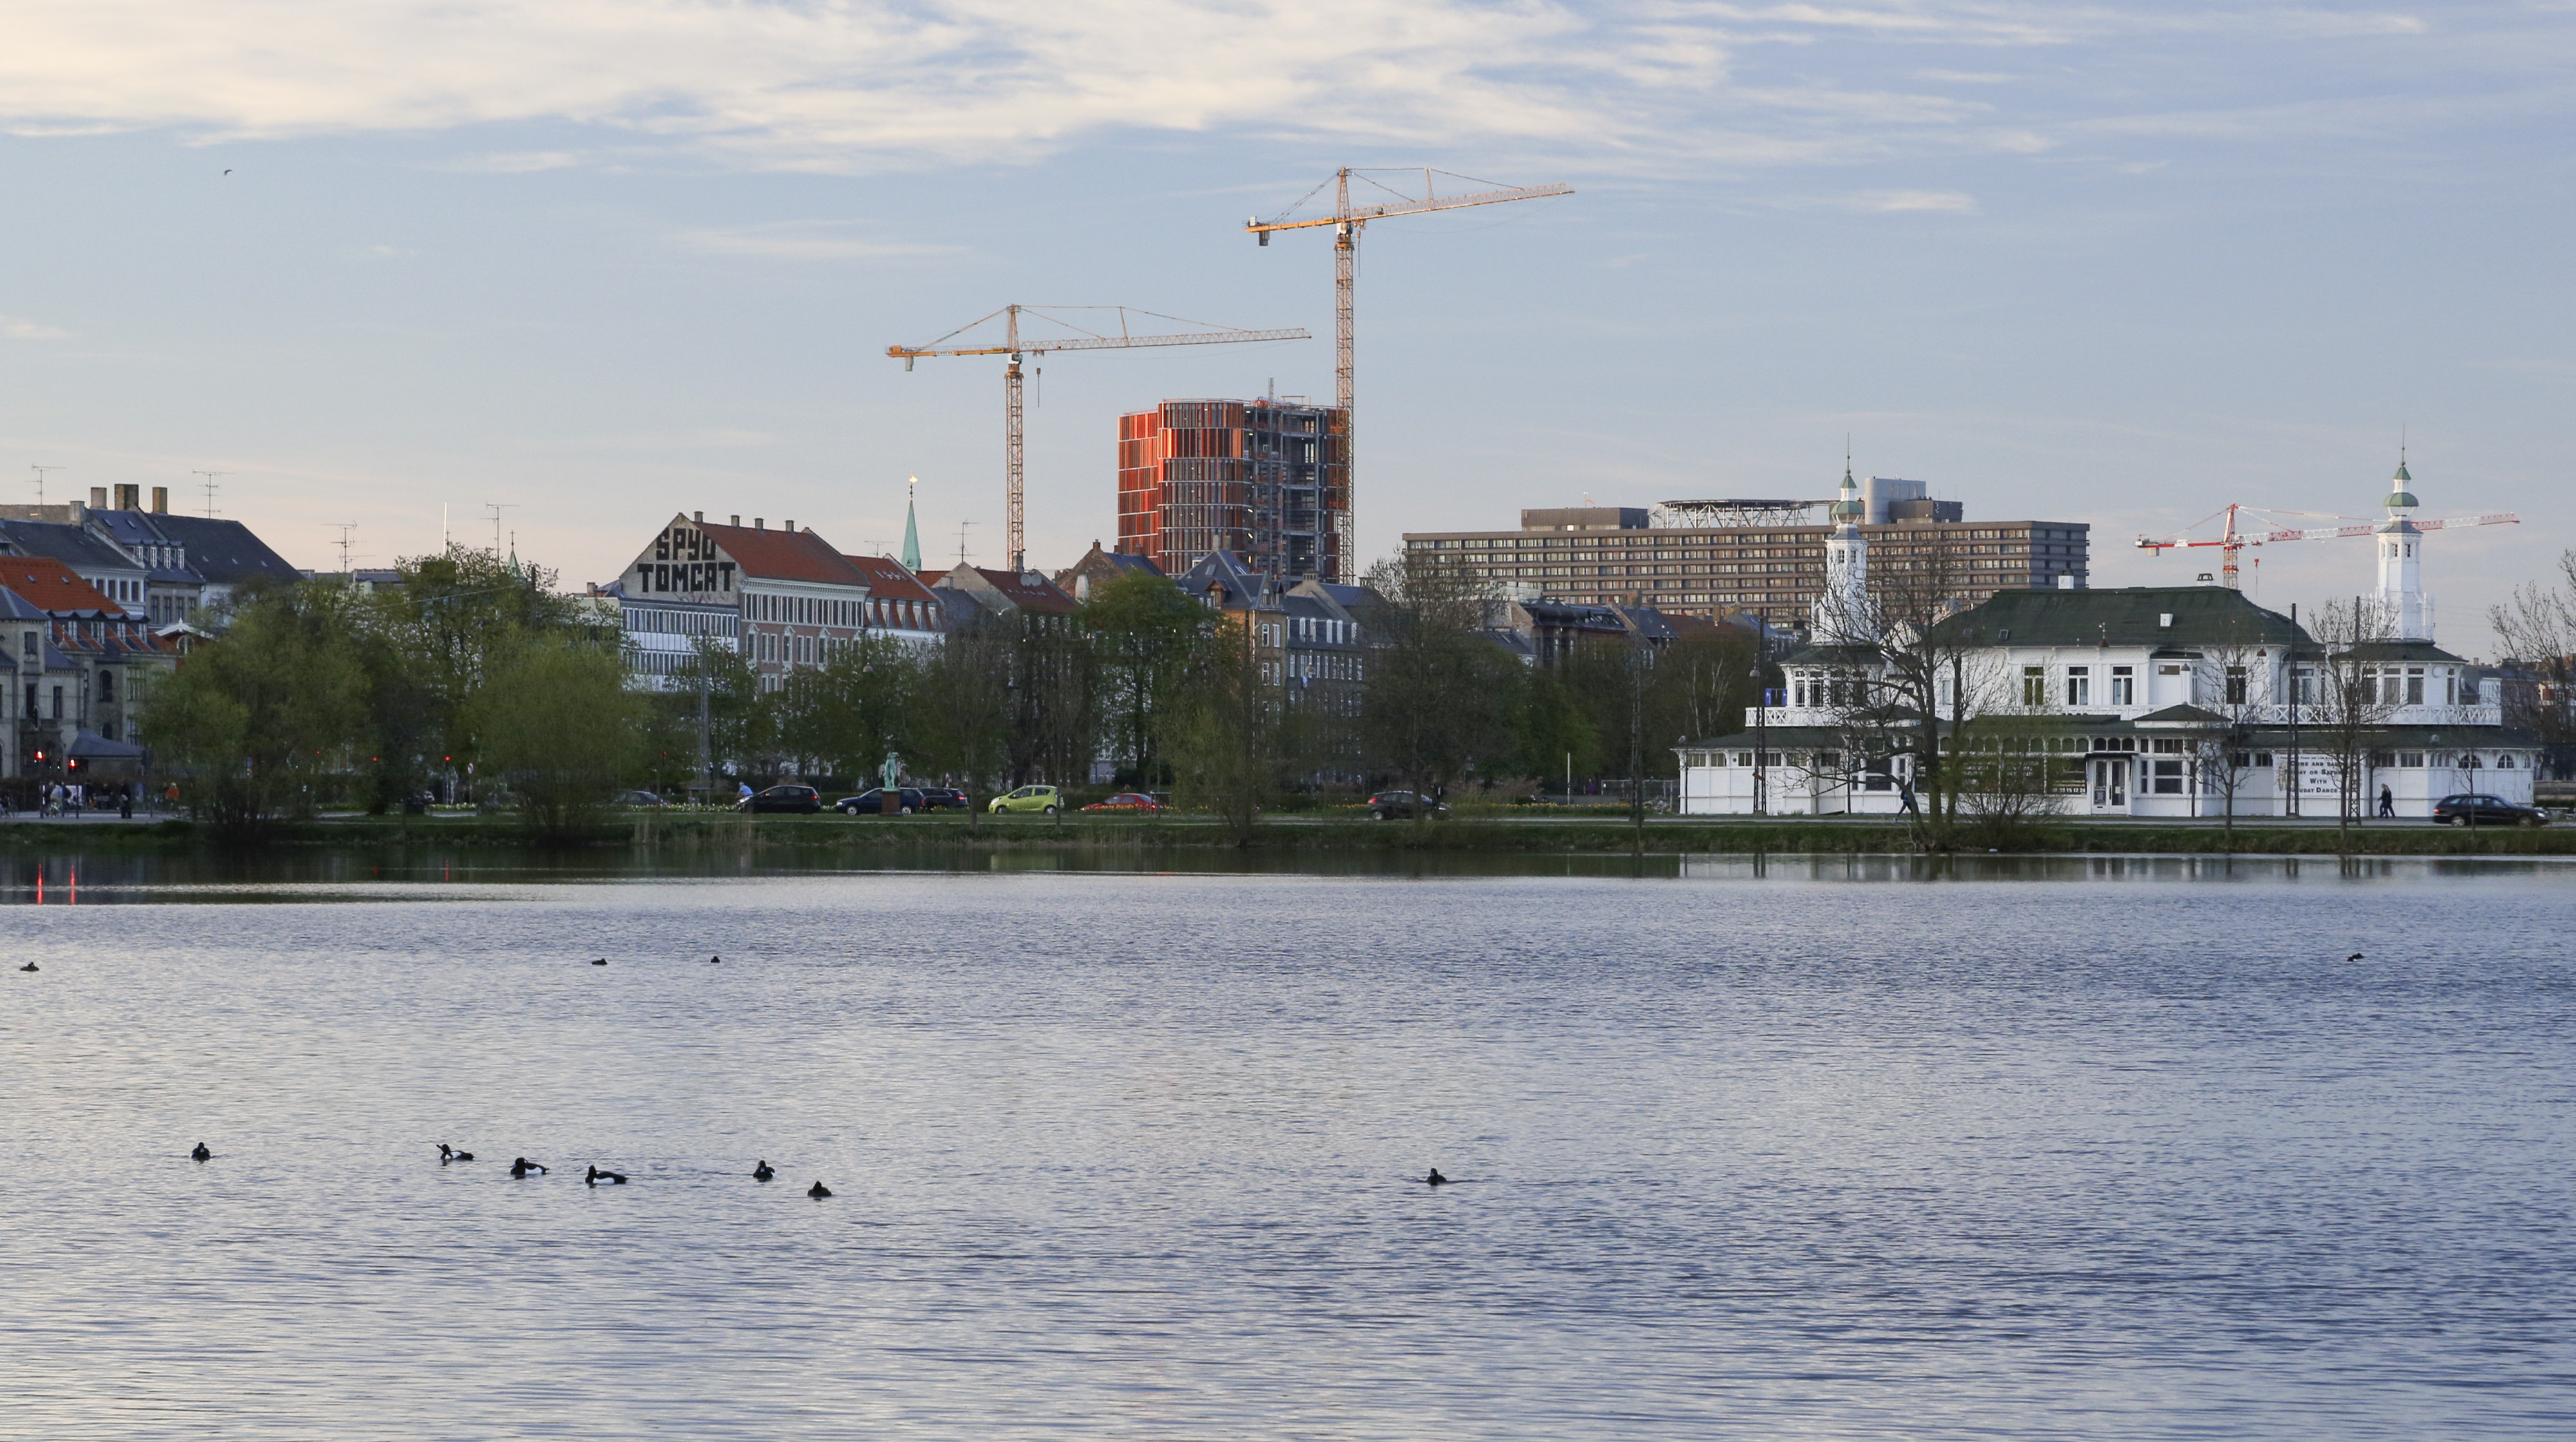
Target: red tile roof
[889,580]
[49,585]
[766,555]
[1030,593]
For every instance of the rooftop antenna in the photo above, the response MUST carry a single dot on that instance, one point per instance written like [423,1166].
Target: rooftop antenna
[496,508]
[348,530]
[961,541]
[40,480]
[446,535]
[209,487]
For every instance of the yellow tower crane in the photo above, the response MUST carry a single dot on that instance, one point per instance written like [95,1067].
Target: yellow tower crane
[1347,221]
[1018,347]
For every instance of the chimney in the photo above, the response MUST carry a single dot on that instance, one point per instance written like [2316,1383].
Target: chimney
[698,516]
[98,498]
[129,498]
[160,500]
[736,522]
[791,526]
[760,523]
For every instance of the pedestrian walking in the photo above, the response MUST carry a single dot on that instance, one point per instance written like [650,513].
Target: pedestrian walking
[2387,802]
[1905,795]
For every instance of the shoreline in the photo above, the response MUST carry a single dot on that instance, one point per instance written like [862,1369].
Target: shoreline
[646,835]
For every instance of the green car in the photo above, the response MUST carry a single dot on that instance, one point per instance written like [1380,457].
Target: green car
[1030,798]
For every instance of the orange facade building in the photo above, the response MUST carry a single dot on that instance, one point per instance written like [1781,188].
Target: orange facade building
[1267,480]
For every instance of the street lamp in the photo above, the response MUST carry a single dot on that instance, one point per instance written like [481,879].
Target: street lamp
[1761,748]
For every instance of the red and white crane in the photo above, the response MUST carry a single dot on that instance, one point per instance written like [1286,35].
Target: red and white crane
[2234,538]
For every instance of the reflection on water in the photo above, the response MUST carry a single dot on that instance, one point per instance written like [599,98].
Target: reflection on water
[1752,1149]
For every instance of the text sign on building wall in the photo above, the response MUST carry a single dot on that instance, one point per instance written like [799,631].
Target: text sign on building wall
[683,563]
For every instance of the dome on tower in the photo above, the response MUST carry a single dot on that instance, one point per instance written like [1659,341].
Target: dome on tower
[2401,490]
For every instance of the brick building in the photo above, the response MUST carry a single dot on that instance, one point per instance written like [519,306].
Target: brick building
[1266,480]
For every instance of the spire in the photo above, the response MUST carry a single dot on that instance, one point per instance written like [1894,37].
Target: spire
[911,529]
[2401,487]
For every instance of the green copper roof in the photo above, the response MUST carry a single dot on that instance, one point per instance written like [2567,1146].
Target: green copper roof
[2129,616]
[911,538]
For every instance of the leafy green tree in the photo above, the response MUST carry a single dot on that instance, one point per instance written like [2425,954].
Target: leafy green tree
[1148,637]
[557,722]
[436,638]
[962,706]
[258,718]
[1553,737]
[846,714]
[1228,732]
[1700,687]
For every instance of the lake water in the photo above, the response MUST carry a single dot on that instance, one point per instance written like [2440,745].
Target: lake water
[1842,1149]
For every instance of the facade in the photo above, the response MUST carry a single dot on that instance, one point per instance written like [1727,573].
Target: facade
[1031,597]
[75,665]
[899,606]
[1762,561]
[1266,480]
[172,569]
[1097,567]
[781,599]
[1309,638]
[2166,701]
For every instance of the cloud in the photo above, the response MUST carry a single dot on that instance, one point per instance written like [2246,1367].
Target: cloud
[804,240]
[1889,202]
[17,328]
[850,85]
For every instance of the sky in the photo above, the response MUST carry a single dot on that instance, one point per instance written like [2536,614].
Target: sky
[387,263]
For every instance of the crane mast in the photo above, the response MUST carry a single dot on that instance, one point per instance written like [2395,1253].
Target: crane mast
[1347,222]
[1018,347]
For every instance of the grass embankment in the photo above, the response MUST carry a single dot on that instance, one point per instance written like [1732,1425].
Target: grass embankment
[1501,834]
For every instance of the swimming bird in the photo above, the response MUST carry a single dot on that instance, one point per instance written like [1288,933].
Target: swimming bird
[596,1176]
[818,1191]
[448,1154]
[201,1154]
[763,1172]
[1435,1179]
[2356,956]
[603,961]
[522,1166]
[715,961]
[30,966]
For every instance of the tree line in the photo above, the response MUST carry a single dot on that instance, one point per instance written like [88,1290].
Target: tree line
[475,670]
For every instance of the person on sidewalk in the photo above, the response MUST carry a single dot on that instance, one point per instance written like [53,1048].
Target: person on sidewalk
[2387,802]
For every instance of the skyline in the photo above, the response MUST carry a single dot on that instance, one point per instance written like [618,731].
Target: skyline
[2120,267]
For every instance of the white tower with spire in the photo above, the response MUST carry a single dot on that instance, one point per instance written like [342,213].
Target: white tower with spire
[2401,558]
[1842,611]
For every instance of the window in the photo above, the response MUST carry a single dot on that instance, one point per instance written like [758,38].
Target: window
[2034,686]
[2414,685]
[2235,685]
[2167,778]
[2124,686]
[2411,760]
[2079,686]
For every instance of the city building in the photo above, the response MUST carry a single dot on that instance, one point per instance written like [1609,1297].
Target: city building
[75,664]
[1310,638]
[2168,701]
[172,567]
[782,599]
[1267,480]
[1755,560]
[1097,567]
[994,594]
[899,606]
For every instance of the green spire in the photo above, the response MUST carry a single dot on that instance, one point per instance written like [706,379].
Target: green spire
[911,531]
[2401,488]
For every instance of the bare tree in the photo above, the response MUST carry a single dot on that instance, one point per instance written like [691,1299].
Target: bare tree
[2538,628]
[2347,701]
[1935,675]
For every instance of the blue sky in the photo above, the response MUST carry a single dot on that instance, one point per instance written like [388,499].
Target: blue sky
[608,259]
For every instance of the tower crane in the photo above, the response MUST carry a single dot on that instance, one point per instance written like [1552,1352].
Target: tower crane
[2233,539]
[1347,221]
[1019,347]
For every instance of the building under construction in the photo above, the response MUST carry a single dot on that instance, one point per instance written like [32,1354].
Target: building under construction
[1268,480]
[1763,559]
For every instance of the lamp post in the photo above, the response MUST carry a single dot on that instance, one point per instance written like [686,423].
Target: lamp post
[1761,744]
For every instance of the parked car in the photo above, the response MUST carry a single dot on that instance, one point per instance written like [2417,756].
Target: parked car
[1135,802]
[2471,808]
[802,799]
[1386,805]
[641,798]
[945,798]
[871,802]
[1043,799]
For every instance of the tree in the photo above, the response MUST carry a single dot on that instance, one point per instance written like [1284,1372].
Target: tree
[1227,735]
[1933,675]
[847,713]
[557,722]
[2342,699]
[2006,770]
[1553,738]
[437,637]
[258,717]
[962,706]
[1439,698]
[2538,628]
[1149,640]
[1701,685]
